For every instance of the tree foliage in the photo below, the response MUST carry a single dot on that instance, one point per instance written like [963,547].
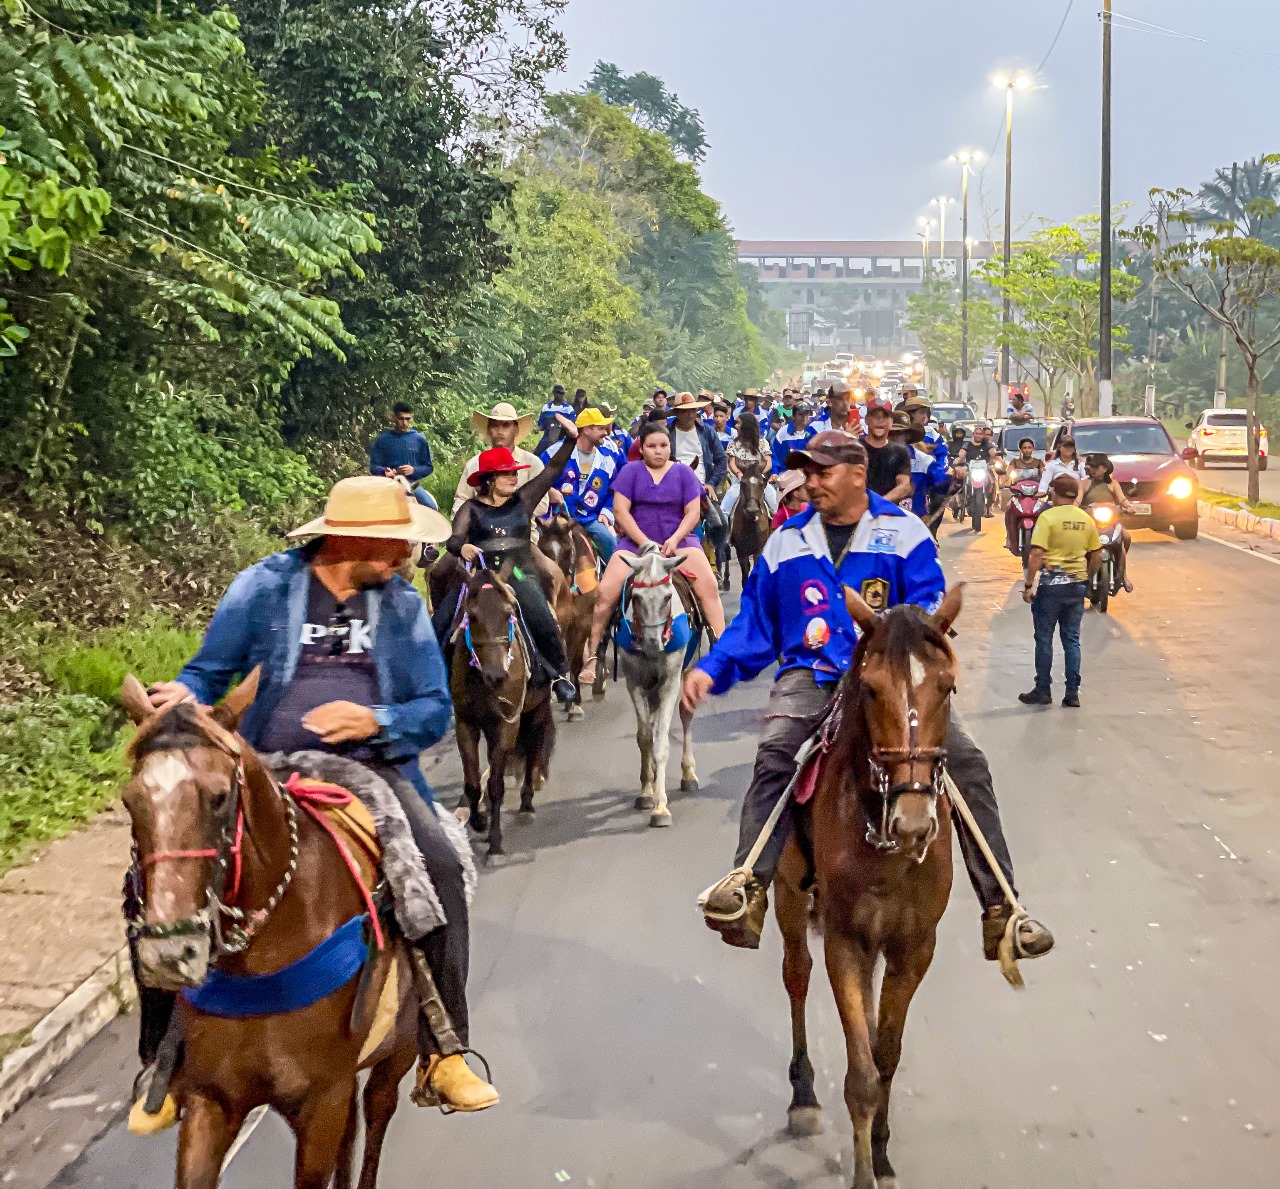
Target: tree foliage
[934,317]
[652,107]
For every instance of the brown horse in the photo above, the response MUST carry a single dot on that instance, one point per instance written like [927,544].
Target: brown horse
[566,544]
[196,790]
[496,699]
[749,529]
[881,860]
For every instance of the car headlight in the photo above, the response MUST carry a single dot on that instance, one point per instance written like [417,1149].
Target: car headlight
[1181,487]
[1104,516]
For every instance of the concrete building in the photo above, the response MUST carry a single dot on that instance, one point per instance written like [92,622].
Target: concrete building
[849,294]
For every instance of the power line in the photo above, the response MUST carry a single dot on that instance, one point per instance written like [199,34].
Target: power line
[1053,45]
[1136,25]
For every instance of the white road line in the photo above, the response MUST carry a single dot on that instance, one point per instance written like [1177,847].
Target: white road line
[1275,561]
[250,1125]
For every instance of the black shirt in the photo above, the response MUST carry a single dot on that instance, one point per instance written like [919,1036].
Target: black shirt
[838,537]
[981,449]
[885,464]
[336,665]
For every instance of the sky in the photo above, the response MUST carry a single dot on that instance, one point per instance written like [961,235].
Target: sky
[834,119]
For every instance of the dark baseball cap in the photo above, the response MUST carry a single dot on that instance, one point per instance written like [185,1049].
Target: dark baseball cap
[558,390]
[828,449]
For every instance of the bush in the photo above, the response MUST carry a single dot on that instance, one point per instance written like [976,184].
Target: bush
[61,760]
[153,653]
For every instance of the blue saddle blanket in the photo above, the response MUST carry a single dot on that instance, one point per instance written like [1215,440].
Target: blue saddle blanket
[331,965]
[681,639]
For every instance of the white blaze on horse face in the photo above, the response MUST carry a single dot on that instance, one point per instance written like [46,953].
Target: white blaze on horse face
[164,775]
[918,671]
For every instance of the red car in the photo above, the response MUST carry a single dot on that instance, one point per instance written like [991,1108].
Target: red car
[1148,467]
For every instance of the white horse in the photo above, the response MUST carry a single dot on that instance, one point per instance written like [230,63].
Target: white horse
[657,645]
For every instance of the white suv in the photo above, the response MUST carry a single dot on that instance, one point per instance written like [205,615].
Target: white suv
[1219,435]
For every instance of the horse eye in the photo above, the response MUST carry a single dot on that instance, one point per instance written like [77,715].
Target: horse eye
[218,801]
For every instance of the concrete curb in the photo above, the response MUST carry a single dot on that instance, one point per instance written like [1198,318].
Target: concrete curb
[57,1038]
[1241,519]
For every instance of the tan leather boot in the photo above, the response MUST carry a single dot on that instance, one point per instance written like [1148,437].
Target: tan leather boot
[449,1083]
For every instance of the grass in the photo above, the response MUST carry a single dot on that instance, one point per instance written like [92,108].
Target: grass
[1224,499]
[98,667]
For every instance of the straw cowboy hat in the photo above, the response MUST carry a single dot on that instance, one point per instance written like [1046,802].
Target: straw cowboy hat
[686,400]
[502,412]
[374,506]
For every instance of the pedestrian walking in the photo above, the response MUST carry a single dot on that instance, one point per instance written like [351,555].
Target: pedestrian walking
[1065,552]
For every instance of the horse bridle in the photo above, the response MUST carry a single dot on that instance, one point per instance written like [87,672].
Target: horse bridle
[664,624]
[232,935]
[470,641]
[913,754]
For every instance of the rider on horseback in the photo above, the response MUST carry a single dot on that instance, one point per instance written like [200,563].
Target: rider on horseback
[793,612]
[498,523]
[348,663]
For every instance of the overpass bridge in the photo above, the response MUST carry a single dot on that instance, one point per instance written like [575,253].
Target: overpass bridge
[850,293]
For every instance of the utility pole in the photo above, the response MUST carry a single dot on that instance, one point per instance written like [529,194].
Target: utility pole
[1149,403]
[964,280]
[1105,403]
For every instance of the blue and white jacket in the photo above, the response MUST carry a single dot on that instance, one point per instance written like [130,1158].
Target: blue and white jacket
[762,415]
[789,438]
[587,496]
[792,608]
[259,622]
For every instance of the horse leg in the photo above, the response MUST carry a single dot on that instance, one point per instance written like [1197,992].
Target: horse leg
[902,975]
[660,726]
[205,1135]
[381,1096]
[644,741]
[469,750]
[320,1127]
[745,562]
[344,1174]
[804,1115]
[498,751]
[849,968]
[688,767]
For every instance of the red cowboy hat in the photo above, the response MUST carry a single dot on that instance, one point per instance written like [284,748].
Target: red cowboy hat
[497,460]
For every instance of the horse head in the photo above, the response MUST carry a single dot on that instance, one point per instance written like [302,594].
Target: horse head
[653,600]
[902,677]
[488,625]
[185,799]
[556,540]
[751,497]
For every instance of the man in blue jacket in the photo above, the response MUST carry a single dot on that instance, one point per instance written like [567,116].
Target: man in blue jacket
[348,662]
[586,483]
[793,613]
[794,435]
[403,452]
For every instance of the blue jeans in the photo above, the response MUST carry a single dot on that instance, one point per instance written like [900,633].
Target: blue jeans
[1060,607]
[605,541]
[423,496]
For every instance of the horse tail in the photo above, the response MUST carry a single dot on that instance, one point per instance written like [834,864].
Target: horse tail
[536,738]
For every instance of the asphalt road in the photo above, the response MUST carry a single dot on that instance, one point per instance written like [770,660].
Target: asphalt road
[634,1051]
[1234,478]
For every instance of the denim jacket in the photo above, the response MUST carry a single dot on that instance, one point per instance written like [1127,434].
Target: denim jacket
[259,622]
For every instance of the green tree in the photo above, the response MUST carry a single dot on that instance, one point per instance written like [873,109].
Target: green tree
[934,317]
[1230,275]
[1055,303]
[653,107]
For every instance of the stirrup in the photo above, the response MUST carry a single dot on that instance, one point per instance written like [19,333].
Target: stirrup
[738,913]
[424,1095]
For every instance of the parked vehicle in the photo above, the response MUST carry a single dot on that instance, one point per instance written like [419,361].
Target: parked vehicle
[1148,467]
[1105,584]
[1220,435]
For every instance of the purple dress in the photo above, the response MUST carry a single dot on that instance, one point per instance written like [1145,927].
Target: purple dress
[657,508]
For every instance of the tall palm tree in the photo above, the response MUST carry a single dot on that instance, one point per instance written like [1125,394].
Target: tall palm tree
[1221,201]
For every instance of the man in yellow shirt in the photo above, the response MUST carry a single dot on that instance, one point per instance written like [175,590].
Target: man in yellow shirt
[1065,553]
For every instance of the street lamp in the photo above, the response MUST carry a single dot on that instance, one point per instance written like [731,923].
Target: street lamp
[967,158]
[923,234]
[942,204]
[1007,83]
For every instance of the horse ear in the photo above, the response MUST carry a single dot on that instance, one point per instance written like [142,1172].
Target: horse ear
[635,561]
[949,609]
[133,697]
[230,710]
[859,610]
[671,564]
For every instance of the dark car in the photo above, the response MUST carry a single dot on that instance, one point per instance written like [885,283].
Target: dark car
[1040,432]
[1148,467]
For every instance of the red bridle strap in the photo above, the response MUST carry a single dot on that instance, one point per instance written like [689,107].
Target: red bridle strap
[665,580]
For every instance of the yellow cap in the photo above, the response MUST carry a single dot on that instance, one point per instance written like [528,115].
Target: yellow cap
[592,416]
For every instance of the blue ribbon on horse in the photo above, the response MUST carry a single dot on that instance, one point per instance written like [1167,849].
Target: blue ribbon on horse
[681,630]
[328,967]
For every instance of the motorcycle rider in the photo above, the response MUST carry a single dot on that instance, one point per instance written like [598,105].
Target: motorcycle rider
[1101,488]
[1066,461]
[1024,466]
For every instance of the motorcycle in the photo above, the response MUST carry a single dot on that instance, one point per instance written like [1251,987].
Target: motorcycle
[1025,496]
[1105,584]
[976,494]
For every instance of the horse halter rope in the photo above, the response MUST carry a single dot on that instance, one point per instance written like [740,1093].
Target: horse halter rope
[513,631]
[880,760]
[232,935]
[637,624]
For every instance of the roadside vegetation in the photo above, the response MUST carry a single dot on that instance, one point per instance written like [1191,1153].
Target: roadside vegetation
[230,238]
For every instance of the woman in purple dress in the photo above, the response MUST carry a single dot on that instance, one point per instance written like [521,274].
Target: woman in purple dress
[656,500]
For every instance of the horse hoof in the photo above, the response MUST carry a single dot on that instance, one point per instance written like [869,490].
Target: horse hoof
[526,811]
[659,818]
[804,1120]
[689,784]
[597,693]
[576,712]
[643,802]
[479,822]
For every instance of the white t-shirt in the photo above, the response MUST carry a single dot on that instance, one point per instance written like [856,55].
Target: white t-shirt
[689,449]
[1055,467]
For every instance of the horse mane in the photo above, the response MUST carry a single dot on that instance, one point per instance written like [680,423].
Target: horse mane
[179,729]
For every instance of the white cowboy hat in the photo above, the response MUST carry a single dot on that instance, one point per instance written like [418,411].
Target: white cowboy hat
[502,412]
[375,506]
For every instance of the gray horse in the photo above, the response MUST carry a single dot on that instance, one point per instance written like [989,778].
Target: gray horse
[656,648]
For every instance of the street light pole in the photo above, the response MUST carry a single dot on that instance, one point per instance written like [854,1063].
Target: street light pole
[966,159]
[1105,403]
[1018,82]
[942,204]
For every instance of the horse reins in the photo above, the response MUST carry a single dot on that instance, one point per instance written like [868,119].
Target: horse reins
[464,629]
